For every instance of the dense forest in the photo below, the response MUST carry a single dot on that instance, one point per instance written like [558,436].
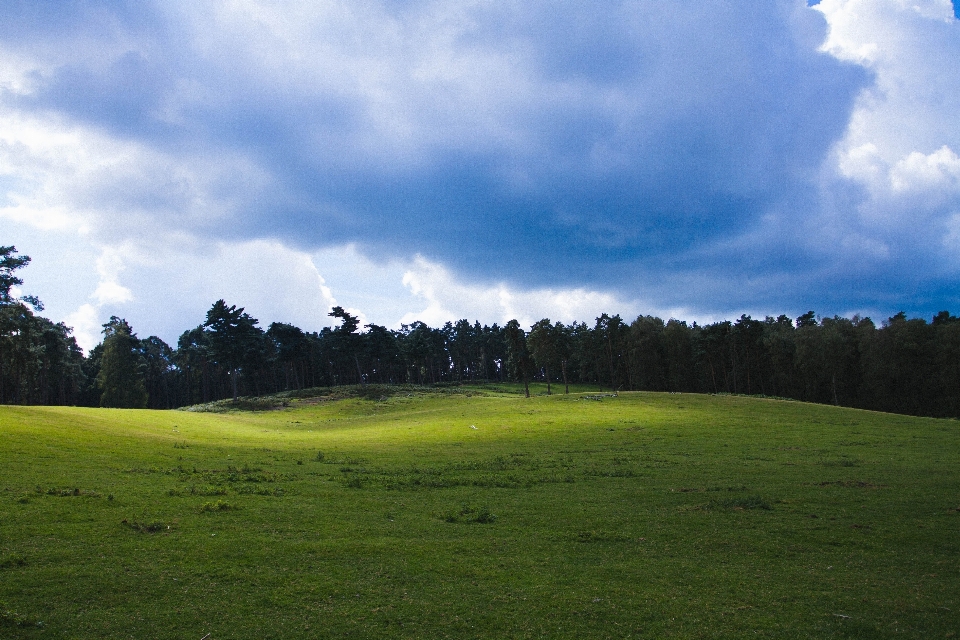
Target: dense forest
[905,365]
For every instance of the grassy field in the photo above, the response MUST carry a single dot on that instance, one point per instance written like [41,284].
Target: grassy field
[480,514]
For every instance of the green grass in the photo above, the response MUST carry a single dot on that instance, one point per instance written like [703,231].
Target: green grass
[480,514]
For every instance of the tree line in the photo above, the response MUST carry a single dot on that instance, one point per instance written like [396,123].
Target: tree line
[905,365]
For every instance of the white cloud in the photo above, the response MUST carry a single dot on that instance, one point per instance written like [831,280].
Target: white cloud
[18,72]
[175,287]
[85,322]
[938,171]
[913,48]
[273,282]
[67,176]
[448,298]
[109,266]
[862,163]
[900,142]
[112,293]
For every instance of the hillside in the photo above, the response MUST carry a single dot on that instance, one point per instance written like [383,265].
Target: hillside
[476,513]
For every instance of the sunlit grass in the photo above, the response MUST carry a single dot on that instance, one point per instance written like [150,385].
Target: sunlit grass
[477,513]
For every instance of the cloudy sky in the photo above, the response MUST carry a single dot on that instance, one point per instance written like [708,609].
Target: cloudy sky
[479,158]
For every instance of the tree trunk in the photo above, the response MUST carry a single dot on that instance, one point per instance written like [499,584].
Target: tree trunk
[359,371]
[566,385]
[613,382]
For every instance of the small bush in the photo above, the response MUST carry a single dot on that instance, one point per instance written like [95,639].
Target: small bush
[208,490]
[744,503]
[319,457]
[842,462]
[12,561]
[219,505]
[154,526]
[468,514]
[10,618]
[68,492]
[261,491]
[601,536]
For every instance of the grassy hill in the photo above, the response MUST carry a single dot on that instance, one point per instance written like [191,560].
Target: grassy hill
[476,513]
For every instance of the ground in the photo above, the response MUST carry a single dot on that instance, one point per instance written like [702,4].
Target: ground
[475,512]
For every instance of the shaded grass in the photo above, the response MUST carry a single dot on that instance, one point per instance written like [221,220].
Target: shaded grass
[479,513]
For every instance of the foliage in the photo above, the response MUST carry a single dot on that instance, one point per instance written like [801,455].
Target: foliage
[904,365]
[9,263]
[40,362]
[120,378]
[519,359]
[233,340]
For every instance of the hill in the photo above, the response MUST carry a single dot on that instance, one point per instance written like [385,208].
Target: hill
[478,513]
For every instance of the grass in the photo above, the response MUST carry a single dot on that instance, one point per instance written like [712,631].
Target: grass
[477,513]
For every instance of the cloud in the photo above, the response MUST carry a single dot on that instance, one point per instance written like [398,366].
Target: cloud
[272,282]
[85,322]
[899,149]
[936,172]
[469,132]
[109,291]
[448,298]
[537,158]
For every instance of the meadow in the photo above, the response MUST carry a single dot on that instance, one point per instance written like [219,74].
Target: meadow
[474,512]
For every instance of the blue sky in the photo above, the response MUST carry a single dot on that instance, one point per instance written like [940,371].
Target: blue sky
[486,160]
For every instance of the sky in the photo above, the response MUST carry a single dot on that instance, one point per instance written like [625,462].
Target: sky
[475,159]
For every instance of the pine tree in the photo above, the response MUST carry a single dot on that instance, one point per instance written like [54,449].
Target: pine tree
[519,360]
[121,376]
[232,335]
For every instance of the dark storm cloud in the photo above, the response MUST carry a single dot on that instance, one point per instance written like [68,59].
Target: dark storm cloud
[542,143]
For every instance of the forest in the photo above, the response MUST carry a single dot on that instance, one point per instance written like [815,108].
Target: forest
[904,365]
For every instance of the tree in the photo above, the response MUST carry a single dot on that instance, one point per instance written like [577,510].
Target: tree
[13,316]
[347,338]
[40,361]
[121,367]
[158,371]
[677,348]
[779,340]
[10,262]
[582,349]
[947,366]
[746,349]
[383,352]
[710,345]
[649,365]
[561,334]
[519,362]
[462,345]
[543,344]
[493,351]
[608,331]
[193,357]
[232,334]
[291,344]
